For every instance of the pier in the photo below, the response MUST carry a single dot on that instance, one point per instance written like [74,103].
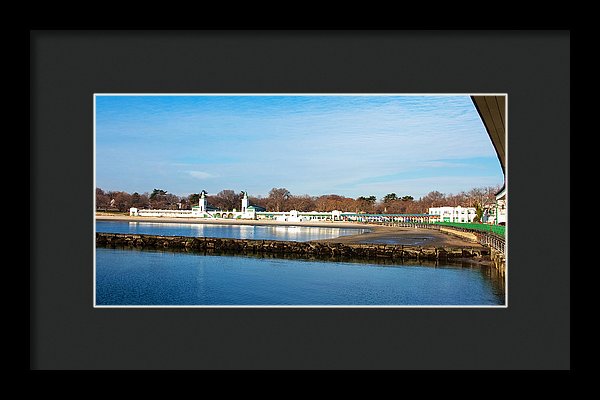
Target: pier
[490,236]
[323,249]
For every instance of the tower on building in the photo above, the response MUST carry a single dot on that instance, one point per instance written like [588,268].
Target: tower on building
[244,201]
[202,202]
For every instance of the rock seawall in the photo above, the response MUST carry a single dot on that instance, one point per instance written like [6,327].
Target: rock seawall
[499,261]
[245,246]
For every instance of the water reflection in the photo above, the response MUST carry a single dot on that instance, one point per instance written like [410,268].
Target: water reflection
[488,274]
[257,232]
[176,278]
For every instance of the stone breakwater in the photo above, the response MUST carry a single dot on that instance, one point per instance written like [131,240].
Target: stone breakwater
[499,261]
[247,246]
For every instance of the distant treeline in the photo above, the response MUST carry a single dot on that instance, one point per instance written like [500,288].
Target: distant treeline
[280,199]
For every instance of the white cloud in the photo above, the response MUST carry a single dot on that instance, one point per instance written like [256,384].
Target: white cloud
[201,174]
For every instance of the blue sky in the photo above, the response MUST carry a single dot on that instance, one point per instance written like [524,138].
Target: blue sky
[348,145]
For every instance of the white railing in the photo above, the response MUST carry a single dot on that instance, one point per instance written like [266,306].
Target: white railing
[164,213]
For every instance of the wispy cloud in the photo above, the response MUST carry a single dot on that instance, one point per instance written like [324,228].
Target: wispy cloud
[201,174]
[351,145]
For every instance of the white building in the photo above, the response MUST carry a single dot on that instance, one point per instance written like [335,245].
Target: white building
[495,214]
[299,216]
[202,210]
[292,216]
[501,206]
[135,212]
[454,214]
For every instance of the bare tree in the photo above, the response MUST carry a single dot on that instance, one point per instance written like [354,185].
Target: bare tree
[122,200]
[277,199]
[301,203]
[258,201]
[330,202]
[280,199]
[476,197]
[139,200]
[366,204]
[433,199]
[226,200]
[102,199]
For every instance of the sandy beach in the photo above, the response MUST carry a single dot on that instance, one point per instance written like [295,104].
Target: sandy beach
[378,234]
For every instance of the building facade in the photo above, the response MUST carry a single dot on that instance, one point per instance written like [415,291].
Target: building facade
[254,212]
[203,210]
[501,206]
[495,214]
[454,214]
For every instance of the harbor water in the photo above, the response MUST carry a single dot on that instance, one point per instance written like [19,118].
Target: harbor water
[126,277]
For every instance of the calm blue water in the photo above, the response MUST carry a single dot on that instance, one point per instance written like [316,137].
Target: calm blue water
[133,277]
[258,232]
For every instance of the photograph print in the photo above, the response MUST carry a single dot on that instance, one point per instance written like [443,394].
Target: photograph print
[300,200]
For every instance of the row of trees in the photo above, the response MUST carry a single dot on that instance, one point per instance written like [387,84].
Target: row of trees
[280,199]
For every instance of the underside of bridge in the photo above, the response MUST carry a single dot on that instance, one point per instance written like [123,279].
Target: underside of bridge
[492,110]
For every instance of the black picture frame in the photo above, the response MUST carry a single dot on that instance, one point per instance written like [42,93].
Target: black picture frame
[67,67]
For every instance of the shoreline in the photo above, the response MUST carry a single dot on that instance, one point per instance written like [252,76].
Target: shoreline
[221,221]
[378,234]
